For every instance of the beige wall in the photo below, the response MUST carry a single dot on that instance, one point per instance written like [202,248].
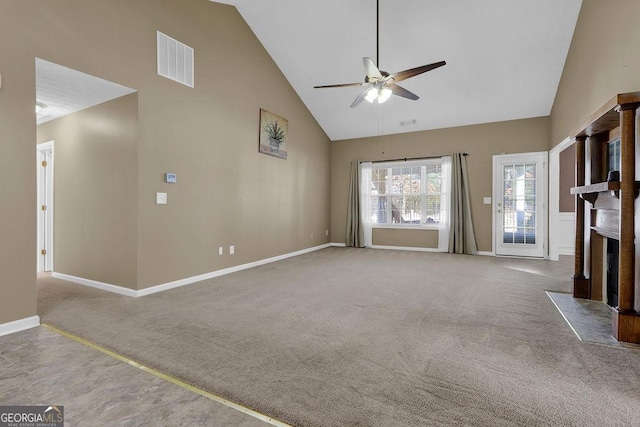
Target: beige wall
[567,178]
[406,238]
[96,189]
[480,141]
[227,193]
[17,189]
[603,60]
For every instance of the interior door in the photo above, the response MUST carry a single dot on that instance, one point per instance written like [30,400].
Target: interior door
[520,199]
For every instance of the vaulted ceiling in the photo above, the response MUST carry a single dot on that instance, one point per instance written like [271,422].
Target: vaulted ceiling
[504,58]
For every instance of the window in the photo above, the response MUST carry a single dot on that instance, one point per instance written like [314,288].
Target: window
[614,155]
[407,193]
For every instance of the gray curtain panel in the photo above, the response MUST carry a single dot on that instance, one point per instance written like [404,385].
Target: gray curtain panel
[462,239]
[354,236]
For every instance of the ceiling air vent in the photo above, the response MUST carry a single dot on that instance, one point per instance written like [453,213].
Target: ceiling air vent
[175,60]
[408,122]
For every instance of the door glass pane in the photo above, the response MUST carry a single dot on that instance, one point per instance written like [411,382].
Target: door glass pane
[508,172]
[530,171]
[519,203]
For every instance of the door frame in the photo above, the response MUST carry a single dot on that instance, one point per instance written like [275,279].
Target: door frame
[544,200]
[45,146]
[554,197]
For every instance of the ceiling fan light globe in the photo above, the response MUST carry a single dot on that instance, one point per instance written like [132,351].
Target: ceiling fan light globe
[385,94]
[372,94]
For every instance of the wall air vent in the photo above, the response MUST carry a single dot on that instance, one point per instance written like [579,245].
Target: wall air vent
[408,122]
[175,60]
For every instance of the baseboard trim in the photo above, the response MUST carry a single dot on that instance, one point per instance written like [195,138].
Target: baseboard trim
[485,253]
[410,248]
[121,290]
[404,248]
[19,325]
[211,275]
[569,250]
[182,282]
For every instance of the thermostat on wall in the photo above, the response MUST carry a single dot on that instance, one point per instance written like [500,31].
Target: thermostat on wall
[171,178]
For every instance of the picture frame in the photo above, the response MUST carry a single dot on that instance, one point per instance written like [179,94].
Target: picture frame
[274,134]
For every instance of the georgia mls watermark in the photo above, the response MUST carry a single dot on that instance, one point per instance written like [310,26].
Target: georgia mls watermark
[31,416]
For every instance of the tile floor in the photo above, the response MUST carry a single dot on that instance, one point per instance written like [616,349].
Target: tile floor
[590,320]
[41,367]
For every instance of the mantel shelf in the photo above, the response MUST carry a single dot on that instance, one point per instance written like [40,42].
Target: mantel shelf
[602,195]
[598,187]
[606,232]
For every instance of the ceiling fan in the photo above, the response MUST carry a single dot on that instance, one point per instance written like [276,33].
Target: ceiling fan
[380,85]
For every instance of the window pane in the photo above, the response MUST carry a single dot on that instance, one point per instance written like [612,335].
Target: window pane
[403,181]
[416,180]
[379,181]
[378,209]
[614,155]
[509,172]
[432,210]
[530,171]
[406,194]
[397,205]
[434,178]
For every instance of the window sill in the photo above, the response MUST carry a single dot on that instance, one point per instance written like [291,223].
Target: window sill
[408,226]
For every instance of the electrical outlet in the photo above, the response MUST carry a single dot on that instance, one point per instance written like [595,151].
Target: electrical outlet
[326,232]
[312,235]
[232,250]
[220,250]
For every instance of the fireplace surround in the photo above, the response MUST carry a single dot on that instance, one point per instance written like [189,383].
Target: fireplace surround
[606,213]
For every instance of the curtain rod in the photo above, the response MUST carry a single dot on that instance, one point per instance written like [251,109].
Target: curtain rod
[411,158]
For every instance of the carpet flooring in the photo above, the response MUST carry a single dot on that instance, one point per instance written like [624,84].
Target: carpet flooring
[363,337]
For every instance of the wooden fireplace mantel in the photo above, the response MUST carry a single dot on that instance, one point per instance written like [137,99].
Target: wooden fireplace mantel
[602,195]
[617,118]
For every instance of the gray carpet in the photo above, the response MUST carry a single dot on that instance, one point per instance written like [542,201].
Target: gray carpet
[359,337]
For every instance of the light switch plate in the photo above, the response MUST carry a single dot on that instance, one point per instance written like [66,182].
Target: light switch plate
[232,250]
[487,200]
[161,198]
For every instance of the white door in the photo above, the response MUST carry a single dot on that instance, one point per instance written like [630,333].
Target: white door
[519,204]
[45,206]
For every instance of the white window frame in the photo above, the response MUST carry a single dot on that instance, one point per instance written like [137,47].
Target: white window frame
[423,191]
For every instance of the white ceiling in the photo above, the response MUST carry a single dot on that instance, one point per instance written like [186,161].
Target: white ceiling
[65,91]
[504,57]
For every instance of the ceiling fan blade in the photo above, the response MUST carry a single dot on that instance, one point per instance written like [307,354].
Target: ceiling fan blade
[340,85]
[372,71]
[360,98]
[400,91]
[403,75]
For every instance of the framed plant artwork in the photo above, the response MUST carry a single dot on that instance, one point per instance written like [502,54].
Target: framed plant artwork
[273,134]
